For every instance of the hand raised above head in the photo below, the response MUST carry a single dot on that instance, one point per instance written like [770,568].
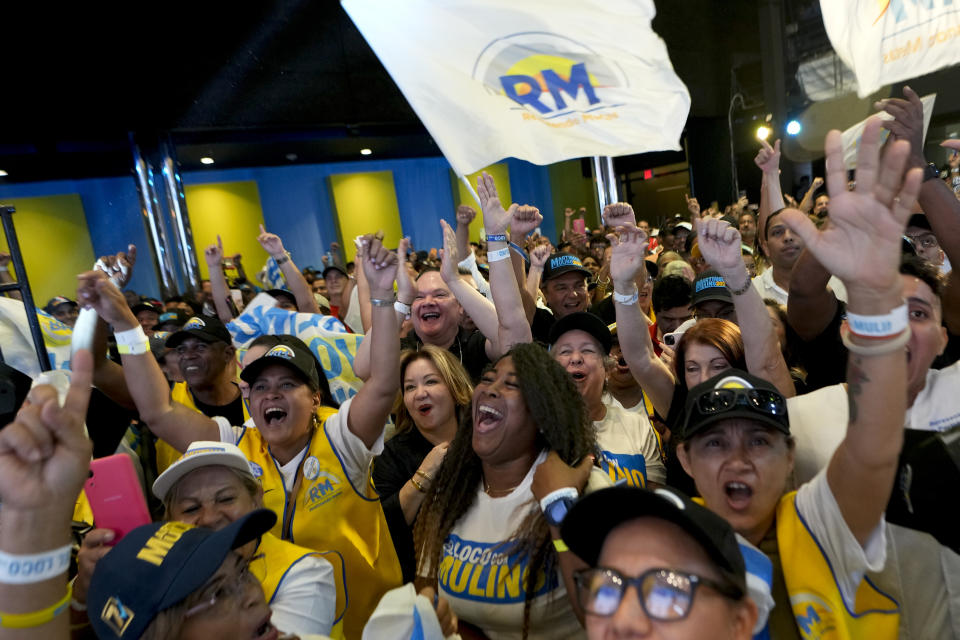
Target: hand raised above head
[496,219]
[465,214]
[619,214]
[270,242]
[768,158]
[379,266]
[628,251]
[720,245]
[525,219]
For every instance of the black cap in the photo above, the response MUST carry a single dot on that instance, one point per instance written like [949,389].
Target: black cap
[290,352]
[593,517]
[753,399]
[276,293]
[174,319]
[584,321]
[920,221]
[205,328]
[146,306]
[334,267]
[710,285]
[158,565]
[561,263]
[57,301]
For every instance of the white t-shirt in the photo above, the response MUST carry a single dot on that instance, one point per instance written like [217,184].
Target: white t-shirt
[848,560]
[608,399]
[353,453]
[630,447]
[818,420]
[767,288]
[306,600]
[481,584]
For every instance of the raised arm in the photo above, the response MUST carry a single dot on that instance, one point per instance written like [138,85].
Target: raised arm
[806,205]
[299,286]
[371,407]
[218,283]
[44,460]
[626,261]
[720,245]
[465,215]
[538,258]
[513,326]
[363,288]
[481,311]
[526,218]
[771,196]
[862,248]
[171,421]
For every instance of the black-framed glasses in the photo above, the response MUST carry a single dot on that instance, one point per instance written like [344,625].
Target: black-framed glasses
[720,400]
[665,594]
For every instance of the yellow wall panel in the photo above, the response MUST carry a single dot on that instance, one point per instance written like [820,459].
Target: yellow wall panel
[501,176]
[231,209]
[55,242]
[365,203]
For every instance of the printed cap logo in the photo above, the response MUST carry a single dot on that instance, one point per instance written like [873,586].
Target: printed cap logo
[710,283]
[194,323]
[256,469]
[281,351]
[565,261]
[732,382]
[116,616]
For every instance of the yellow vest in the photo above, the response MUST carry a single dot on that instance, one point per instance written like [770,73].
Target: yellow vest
[279,557]
[167,455]
[818,607]
[327,513]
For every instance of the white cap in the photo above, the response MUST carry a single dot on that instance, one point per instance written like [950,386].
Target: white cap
[405,615]
[202,453]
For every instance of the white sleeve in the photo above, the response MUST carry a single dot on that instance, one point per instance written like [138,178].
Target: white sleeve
[656,470]
[306,600]
[353,454]
[470,262]
[821,513]
[352,318]
[228,433]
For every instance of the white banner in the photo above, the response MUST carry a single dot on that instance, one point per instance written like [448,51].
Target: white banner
[539,80]
[851,137]
[892,40]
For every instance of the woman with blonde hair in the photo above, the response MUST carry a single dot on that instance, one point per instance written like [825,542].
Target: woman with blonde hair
[434,391]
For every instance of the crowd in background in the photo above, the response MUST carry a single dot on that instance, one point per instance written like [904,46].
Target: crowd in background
[713,423]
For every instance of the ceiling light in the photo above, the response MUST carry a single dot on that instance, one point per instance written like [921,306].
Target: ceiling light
[763,133]
[291,157]
[206,160]
[793,127]
[3,173]
[365,152]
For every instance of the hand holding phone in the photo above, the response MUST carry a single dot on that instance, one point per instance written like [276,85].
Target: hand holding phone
[115,497]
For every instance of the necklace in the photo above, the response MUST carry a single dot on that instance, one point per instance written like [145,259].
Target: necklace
[490,492]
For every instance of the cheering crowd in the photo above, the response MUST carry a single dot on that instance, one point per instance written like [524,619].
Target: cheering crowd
[703,430]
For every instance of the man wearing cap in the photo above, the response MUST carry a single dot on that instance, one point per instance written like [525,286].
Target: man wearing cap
[925,242]
[687,580]
[63,309]
[580,343]
[711,298]
[564,287]
[340,293]
[148,315]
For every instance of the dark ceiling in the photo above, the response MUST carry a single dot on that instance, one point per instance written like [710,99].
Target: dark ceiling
[255,84]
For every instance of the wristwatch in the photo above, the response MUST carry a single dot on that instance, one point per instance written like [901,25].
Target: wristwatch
[556,505]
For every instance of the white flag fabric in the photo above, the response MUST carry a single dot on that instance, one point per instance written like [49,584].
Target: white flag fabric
[539,80]
[886,41]
[851,137]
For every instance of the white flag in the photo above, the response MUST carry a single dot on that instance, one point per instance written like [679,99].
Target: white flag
[851,137]
[886,41]
[540,80]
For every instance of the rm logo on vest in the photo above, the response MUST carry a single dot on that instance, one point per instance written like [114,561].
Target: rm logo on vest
[322,490]
[814,617]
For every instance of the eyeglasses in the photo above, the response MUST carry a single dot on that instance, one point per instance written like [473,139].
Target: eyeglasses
[925,241]
[721,400]
[665,594]
[225,590]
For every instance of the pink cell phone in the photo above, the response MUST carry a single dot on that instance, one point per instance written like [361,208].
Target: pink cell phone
[580,225]
[115,496]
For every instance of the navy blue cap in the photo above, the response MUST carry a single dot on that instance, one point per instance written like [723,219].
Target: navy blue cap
[157,566]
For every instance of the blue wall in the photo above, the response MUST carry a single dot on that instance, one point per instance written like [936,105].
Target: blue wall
[296,204]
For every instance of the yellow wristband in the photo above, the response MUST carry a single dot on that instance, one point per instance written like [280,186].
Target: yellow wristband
[560,546]
[134,349]
[37,618]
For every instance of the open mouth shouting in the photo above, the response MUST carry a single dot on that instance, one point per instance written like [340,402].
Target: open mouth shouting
[487,418]
[266,630]
[274,415]
[738,494]
[424,409]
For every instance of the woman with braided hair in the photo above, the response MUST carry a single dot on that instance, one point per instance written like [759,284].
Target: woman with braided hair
[482,536]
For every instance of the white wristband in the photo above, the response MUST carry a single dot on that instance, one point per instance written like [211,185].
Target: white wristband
[627,298]
[885,326]
[498,255]
[402,309]
[553,496]
[131,337]
[34,567]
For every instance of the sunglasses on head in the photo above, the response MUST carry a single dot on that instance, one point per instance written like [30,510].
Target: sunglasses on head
[721,400]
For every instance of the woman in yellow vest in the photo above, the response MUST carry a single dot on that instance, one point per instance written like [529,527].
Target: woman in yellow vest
[824,537]
[313,460]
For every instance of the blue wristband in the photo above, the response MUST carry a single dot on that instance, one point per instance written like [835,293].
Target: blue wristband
[520,252]
[499,237]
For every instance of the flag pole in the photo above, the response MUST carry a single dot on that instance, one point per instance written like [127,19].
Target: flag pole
[472,191]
